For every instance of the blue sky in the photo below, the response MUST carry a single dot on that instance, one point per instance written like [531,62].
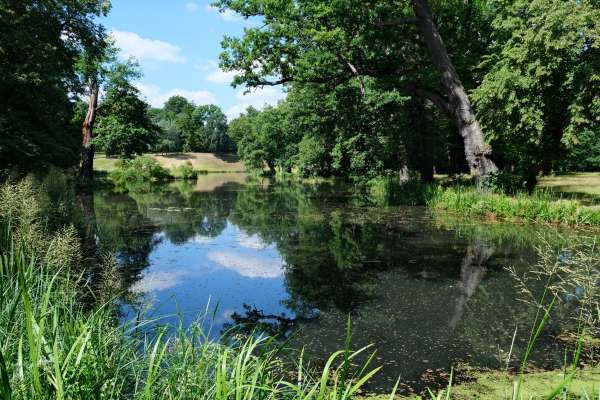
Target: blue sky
[177,44]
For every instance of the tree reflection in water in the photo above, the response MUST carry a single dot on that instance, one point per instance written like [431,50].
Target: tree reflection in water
[425,293]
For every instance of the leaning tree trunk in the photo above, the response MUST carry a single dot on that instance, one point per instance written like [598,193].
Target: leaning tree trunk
[87,151]
[476,150]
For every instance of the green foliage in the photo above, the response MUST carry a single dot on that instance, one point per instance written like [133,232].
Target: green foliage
[41,42]
[536,207]
[139,170]
[185,171]
[390,190]
[312,156]
[536,99]
[123,126]
[265,138]
[186,127]
[583,155]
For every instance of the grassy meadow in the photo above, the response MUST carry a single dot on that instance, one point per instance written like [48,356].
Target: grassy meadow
[207,162]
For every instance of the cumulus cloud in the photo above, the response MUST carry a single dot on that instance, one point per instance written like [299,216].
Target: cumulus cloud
[191,6]
[257,98]
[131,44]
[252,242]
[226,15]
[222,77]
[157,98]
[248,266]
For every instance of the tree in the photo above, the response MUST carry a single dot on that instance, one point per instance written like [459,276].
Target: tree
[330,44]
[458,104]
[124,126]
[264,138]
[213,128]
[40,43]
[176,105]
[190,128]
[539,92]
[93,66]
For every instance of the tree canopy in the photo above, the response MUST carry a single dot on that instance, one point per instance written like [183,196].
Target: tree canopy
[387,82]
[187,127]
[40,43]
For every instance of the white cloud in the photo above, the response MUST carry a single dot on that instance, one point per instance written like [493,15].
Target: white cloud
[222,77]
[257,98]
[191,6]
[227,15]
[131,44]
[252,242]
[248,266]
[157,98]
[157,281]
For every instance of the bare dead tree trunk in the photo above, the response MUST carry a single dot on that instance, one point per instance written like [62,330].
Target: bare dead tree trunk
[87,150]
[459,106]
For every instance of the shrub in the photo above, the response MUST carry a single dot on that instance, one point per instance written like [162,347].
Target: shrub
[139,170]
[312,156]
[186,171]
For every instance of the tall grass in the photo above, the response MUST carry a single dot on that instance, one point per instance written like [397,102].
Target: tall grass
[540,206]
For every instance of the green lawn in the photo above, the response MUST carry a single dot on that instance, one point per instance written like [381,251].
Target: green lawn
[584,186]
[579,182]
[200,161]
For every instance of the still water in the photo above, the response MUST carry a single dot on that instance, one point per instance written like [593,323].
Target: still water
[427,290]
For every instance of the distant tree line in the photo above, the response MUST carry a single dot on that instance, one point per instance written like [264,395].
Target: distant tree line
[187,127]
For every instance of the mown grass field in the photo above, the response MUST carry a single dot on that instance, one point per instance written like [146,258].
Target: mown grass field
[580,184]
[208,162]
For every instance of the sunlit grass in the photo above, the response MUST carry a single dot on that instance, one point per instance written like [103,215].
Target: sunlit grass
[207,162]
[537,207]
[585,185]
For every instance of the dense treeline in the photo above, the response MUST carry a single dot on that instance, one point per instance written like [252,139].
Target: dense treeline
[371,93]
[375,88]
[41,43]
[187,127]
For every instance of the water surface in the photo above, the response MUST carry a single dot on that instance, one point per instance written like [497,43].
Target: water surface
[427,290]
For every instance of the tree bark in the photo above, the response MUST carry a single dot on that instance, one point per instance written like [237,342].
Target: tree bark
[476,150]
[87,150]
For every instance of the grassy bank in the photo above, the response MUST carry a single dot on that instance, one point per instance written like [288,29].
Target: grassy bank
[543,205]
[578,183]
[540,206]
[207,162]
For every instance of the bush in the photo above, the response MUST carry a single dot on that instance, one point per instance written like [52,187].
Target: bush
[185,171]
[139,170]
[503,182]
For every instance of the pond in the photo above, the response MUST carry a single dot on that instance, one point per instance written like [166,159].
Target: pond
[427,290]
